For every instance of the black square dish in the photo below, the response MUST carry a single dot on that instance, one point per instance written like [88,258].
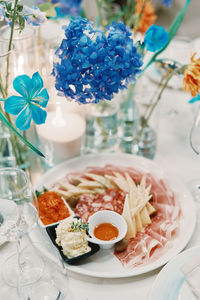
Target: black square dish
[51,230]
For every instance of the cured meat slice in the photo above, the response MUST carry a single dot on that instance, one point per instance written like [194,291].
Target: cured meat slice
[167,211]
[110,200]
[139,250]
[163,227]
[157,236]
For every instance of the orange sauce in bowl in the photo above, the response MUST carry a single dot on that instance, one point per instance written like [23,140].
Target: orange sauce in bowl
[106,232]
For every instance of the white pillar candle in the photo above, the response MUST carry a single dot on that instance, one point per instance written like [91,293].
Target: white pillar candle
[62,135]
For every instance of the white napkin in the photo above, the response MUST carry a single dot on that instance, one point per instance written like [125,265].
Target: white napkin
[191,270]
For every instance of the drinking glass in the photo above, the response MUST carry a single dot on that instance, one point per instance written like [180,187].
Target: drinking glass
[195,145]
[53,284]
[18,216]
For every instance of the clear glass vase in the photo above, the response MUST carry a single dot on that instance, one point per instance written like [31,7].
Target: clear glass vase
[24,58]
[12,151]
[144,144]
[135,135]
[7,157]
[102,127]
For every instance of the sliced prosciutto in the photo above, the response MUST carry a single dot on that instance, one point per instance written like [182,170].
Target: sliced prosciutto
[139,250]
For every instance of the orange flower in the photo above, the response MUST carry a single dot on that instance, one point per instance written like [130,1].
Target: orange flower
[191,80]
[148,16]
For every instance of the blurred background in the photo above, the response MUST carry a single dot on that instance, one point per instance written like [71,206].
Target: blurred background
[190,26]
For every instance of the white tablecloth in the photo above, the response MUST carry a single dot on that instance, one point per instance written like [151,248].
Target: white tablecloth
[173,153]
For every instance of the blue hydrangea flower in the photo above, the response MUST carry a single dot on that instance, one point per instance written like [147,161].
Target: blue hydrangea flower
[33,15]
[68,7]
[64,7]
[93,66]
[167,3]
[156,37]
[28,105]
[194,99]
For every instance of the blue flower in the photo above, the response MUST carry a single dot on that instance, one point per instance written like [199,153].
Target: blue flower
[68,7]
[64,7]
[28,106]
[167,3]
[33,15]
[194,99]
[156,37]
[93,66]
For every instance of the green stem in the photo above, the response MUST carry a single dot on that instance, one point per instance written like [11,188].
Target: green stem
[10,46]
[129,98]
[145,121]
[99,21]
[4,91]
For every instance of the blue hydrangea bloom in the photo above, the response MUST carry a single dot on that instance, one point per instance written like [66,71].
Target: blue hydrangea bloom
[194,99]
[93,66]
[167,3]
[68,7]
[33,15]
[28,105]
[156,37]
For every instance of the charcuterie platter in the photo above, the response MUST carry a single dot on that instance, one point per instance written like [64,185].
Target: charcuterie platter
[157,207]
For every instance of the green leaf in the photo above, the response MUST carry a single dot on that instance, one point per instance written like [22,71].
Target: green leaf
[45,6]
[21,21]
[172,31]
[19,8]
[5,121]
[9,6]
[39,193]
[48,8]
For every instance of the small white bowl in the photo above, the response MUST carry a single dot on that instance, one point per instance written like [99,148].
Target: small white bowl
[107,216]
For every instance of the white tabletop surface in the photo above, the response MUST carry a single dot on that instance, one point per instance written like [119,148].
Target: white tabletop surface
[173,153]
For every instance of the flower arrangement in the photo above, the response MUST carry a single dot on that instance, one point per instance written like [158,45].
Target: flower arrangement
[27,106]
[93,65]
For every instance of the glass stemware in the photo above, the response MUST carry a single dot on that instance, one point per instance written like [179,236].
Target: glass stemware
[18,217]
[195,145]
[53,284]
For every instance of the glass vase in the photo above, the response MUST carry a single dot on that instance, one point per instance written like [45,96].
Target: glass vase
[7,157]
[24,58]
[101,127]
[144,143]
[12,151]
[137,136]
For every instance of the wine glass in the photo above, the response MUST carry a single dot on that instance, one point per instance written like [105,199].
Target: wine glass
[18,217]
[195,145]
[53,284]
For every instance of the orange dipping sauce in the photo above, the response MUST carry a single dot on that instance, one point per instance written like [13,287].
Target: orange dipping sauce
[106,232]
[51,208]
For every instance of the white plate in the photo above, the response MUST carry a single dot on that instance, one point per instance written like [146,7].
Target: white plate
[104,264]
[170,283]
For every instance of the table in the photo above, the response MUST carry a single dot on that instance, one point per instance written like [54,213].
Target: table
[173,153]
